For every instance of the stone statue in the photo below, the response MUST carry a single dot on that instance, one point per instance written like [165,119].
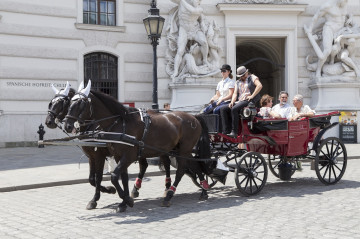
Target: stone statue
[190,34]
[334,30]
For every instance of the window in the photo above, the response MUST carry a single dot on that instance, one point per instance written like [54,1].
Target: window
[100,12]
[101,68]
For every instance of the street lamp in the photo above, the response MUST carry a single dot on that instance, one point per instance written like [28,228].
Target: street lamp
[154,24]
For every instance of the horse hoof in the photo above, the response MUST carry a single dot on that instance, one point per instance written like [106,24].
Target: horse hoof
[111,189]
[91,205]
[203,197]
[134,194]
[121,209]
[165,204]
[129,201]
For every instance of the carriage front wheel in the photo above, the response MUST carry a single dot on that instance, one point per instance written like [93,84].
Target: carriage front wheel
[250,173]
[330,160]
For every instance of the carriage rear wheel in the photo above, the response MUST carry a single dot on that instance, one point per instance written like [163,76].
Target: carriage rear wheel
[250,173]
[274,161]
[330,160]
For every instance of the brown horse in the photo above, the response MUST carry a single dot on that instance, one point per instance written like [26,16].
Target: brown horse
[176,132]
[58,108]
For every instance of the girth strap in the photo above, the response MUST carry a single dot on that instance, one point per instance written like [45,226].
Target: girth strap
[147,121]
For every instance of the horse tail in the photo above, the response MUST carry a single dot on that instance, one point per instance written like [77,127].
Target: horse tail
[203,145]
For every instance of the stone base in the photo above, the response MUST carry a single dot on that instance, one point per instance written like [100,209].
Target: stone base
[329,95]
[192,94]
[335,95]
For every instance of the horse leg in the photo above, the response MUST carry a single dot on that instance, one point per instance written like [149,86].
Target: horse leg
[128,201]
[95,179]
[166,162]
[121,169]
[143,164]
[171,191]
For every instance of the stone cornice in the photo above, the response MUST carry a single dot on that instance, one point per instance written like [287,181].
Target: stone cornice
[94,27]
[261,1]
[270,8]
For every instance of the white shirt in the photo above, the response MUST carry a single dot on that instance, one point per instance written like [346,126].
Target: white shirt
[303,110]
[283,110]
[224,86]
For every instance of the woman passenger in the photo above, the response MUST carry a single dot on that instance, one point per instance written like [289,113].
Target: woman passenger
[266,111]
[224,91]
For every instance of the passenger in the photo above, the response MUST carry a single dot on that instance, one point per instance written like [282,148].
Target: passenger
[300,110]
[166,106]
[224,91]
[283,108]
[266,111]
[248,88]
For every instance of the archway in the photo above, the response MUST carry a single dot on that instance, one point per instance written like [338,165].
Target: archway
[265,58]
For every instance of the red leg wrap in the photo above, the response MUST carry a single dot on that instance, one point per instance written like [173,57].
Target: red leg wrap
[168,180]
[204,184]
[173,188]
[138,182]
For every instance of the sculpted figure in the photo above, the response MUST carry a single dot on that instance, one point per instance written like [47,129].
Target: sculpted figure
[334,12]
[193,48]
[189,19]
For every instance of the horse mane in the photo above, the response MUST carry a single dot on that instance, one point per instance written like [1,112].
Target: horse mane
[112,104]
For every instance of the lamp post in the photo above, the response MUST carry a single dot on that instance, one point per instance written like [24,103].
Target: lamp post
[154,24]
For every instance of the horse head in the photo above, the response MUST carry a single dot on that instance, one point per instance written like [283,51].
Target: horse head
[59,105]
[80,107]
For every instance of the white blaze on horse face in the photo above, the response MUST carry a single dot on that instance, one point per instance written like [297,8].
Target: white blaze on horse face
[56,91]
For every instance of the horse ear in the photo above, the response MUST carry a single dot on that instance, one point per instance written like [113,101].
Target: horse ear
[87,89]
[81,86]
[67,88]
[56,91]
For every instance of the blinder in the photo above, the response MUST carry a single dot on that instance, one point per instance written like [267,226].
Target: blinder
[84,102]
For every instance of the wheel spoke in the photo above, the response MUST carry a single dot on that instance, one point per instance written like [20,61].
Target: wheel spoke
[337,167]
[333,169]
[246,184]
[327,167]
[259,179]
[251,187]
[257,187]
[327,148]
[243,180]
[326,155]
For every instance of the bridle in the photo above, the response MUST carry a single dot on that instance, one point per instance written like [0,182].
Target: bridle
[85,101]
[58,97]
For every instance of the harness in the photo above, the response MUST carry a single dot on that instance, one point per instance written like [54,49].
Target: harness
[145,117]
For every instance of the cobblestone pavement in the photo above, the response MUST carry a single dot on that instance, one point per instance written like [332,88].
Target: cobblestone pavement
[300,208]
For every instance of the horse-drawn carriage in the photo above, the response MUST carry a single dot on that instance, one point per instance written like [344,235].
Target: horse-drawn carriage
[284,143]
[107,128]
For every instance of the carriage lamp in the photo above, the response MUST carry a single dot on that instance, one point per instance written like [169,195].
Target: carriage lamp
[250,110]
[153,25]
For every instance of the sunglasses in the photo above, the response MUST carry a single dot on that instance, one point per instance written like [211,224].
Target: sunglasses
[223,70]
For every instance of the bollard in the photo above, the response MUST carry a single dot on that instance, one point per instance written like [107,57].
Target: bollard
[41,133]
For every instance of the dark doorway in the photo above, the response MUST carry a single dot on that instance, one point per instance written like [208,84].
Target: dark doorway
[265,63]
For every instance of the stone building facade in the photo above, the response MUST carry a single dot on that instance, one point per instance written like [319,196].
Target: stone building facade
[46,42]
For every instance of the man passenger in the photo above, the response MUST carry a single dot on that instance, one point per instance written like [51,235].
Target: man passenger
[300,110]
[283,108]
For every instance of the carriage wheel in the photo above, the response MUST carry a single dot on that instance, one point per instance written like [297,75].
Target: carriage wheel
[330,160]
[250,173]
[274,162]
